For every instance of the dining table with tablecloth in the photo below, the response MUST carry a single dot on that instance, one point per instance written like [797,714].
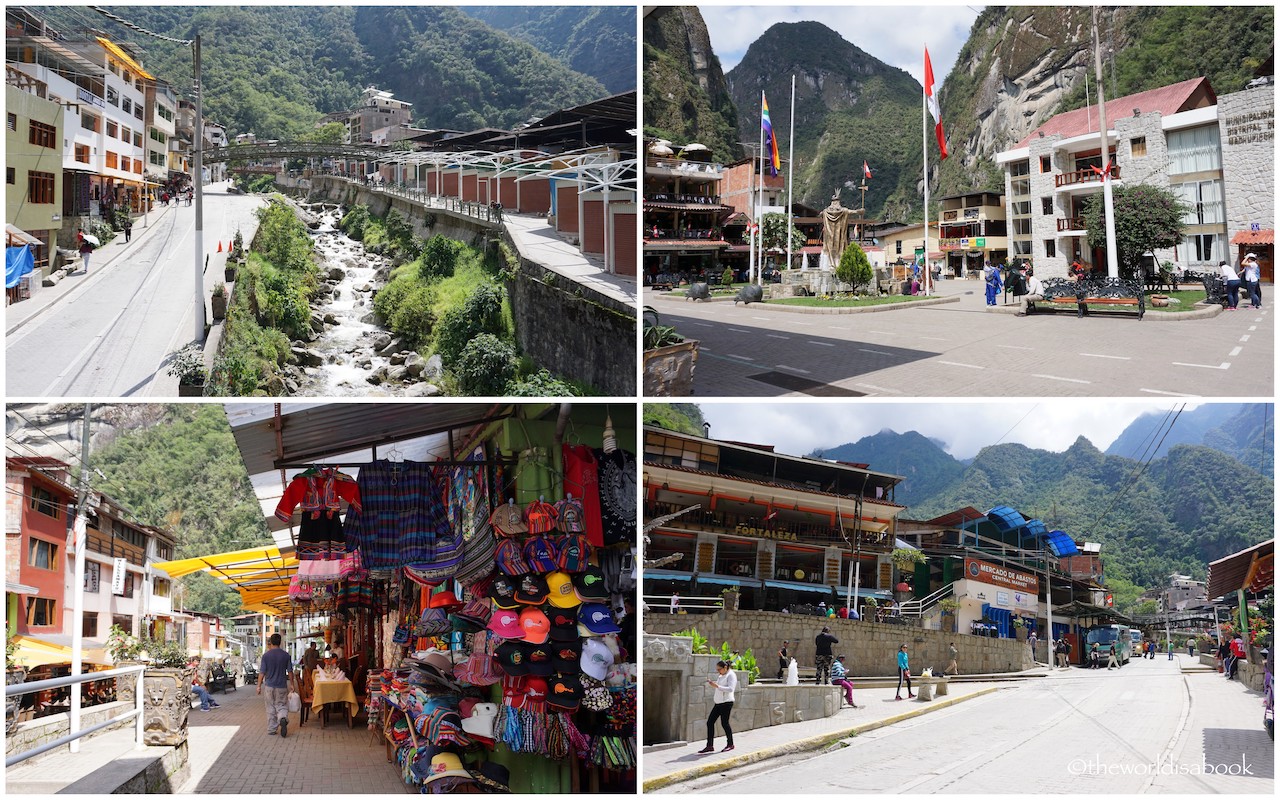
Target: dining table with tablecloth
[331,691]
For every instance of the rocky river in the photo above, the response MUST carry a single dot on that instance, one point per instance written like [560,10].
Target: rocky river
[348,352]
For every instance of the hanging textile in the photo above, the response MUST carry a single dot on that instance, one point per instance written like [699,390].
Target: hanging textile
[402,519]
[581,478]
[319,493]
[617,478]
[469,496]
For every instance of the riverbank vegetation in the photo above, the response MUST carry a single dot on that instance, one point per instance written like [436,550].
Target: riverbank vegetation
[270,306]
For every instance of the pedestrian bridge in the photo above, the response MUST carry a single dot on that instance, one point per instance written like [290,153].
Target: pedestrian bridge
[266,151]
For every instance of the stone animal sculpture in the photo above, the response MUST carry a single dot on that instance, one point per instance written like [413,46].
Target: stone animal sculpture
[698,291]
[749,294]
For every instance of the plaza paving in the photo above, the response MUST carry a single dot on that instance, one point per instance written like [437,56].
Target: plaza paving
[961,350]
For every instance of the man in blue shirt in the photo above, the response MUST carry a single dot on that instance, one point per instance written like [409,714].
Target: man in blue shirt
[275,671]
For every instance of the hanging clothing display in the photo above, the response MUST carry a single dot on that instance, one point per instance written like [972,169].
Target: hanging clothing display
[319,493]
[581,479]
[617,478]
[469,497]
[402,519]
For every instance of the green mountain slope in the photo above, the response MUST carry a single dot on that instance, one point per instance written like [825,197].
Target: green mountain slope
[599,41]
[182,471]
[273,70]
[922,462]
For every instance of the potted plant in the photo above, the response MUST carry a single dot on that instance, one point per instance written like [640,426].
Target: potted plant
[124,649]
[166,701]
[729,598]
[1019,629]
[13,675]
[187,365]
[669,358]
[949,606]
[219,301]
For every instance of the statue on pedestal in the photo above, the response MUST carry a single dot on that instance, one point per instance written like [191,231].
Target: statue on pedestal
[835,232]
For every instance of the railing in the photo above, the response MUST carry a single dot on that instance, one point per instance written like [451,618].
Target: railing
[682,166]
[76,731]
[661,604]
[485,212]
[1071,224]
[802,531]
[689,234]
[1084,176]
[694,199]
[918,608]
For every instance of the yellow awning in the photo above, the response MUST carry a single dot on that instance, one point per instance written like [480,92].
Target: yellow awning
[260,574]
[259,558]
[115,50]
[33,652]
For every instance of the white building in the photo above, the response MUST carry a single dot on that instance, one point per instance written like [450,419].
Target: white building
[162,112]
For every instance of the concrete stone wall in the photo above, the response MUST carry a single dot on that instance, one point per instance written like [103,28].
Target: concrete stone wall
[36,732]
[1246,130]
[678,699]
[869,648]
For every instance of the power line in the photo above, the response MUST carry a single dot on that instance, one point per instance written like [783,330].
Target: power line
[138,28]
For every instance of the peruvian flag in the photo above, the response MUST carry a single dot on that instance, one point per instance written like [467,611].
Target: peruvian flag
[866,171]
[932,102]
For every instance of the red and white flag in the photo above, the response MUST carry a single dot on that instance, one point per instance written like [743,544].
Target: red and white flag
[932,101]
[866,171]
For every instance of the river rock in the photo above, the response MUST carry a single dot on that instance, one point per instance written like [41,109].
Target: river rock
[397,374]
[331,319]
[336,273]
[398,359]
[377,376]
[317,322]
[415,363]
[434,368]
[275,386]
[422,390]
[381,340]
[371,318]
[364,287]
[394,346]
[291,386]
[311,358]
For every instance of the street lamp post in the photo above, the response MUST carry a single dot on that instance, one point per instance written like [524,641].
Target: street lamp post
[197,178]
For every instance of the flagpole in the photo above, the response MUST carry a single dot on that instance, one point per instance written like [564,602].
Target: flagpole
[759,277]
[924,148]
[791,149]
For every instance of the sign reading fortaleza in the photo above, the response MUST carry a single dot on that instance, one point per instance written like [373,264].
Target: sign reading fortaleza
[996,575]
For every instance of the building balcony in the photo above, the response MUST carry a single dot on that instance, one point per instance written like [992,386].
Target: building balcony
[784,527]
[680,168]
[1071,225]
[1084,176]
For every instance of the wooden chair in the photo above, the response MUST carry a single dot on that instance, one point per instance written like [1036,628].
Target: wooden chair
[306,694]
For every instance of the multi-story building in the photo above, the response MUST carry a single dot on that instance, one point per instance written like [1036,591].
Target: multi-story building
[1180,137]
[162,126]
[121,587]
[903,245]
[377,110]
[33,164]
[784,530]
[683,212]
[1182,593]
[972,230]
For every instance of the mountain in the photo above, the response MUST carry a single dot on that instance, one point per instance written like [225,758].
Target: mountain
[599,41]
[923,463]
[850,107]
[273,70]
[686,97]
[1243,431]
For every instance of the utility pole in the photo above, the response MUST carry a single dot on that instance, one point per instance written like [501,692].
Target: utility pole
[79,537]
[197,178]
[1113,258]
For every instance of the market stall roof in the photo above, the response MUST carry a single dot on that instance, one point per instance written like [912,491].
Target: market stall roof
[55,649]
[1078,609]
[260,574]
[345,434]
[1252,569]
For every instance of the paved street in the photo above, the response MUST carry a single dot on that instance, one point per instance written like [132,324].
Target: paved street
[1077,732]
[109,333]
[961,350]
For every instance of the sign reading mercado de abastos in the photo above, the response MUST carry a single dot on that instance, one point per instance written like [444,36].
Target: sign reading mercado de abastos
[1024,585]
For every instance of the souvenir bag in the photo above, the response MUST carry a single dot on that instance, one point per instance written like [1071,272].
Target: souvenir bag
[295,703]
[350,565]
[401,636]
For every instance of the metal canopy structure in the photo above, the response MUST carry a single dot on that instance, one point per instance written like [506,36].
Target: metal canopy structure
[263,151]
[260,574]
[1252,569]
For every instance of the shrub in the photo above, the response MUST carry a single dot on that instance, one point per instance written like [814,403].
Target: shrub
[727,277]
[398,228]
[480,313]
[485,367]
[438,259]
[167,654]
[541,384]
[282,238]
[354,222]
[854,267]
[413,317]
[282,302]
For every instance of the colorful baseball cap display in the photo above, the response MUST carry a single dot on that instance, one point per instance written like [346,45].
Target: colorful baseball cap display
[540,554]
[508,519]
[535,692]
[540,517]
[598,619]
[590,586]
[573,552]
[564,693]
[511,658]
[502,590]
[538,657]
[562,591]
[515,691]
[564,624]
[533,590]
[510,558]
[505,622]
[565,655]
[572,517]
[596,659]
[535,625]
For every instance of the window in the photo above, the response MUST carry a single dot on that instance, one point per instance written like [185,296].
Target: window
[42,500]
[1046,163]
[1202,249]
[42,135]
[82,153]
[126,623]
[1050,248]
[163,552]
[1204,202]
[10,175]
[160,588]
[40,187]
[1046,205]
[125,134]
[113,96]
[1194,150]
[113,130]
[13,122]
[41,612]
[92,577]
[137,138]
[137,112]
[1022,227]
[1138,147]
[157,159]
[128,585]
[137,166]
[165,113]
[156,135]
[113,161]
[126,106]
[134,537]
[1020,187]
[88,121]
[1021,208]
[1017,168]
[42,554]
[1022,247]
[898,248]
[90,629]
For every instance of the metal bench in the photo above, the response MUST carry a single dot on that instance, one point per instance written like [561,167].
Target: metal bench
[1093,292]
[219,679]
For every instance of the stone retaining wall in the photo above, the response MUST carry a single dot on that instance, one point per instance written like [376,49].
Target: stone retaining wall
[36,732]
[869,648]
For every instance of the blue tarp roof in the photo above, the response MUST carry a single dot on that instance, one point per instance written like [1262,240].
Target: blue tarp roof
[1060,544]
[18,262]
[1006,519]
[1034,529]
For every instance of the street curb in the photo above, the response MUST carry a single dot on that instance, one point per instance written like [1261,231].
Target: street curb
[933,301]
[801,745]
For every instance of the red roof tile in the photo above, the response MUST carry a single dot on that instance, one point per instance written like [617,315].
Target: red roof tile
[1267,236]
[1167,100]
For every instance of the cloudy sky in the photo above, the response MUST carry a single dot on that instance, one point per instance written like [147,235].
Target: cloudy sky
[896,35]
[965,428]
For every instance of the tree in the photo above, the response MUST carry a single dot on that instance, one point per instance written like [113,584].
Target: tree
[773,228]
[328,133]
[854,268]
[1146,218]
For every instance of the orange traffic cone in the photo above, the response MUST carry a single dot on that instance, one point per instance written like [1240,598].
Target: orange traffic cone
[219,245]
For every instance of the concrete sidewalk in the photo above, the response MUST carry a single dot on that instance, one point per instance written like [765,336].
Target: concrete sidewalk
[539,242]
[666,765]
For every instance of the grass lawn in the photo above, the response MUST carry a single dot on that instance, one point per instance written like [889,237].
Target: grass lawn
[818,302]
[1187,300]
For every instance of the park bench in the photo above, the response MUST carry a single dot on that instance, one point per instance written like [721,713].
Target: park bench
[219,679]
[663,282]
[1215,289]
[1092,292]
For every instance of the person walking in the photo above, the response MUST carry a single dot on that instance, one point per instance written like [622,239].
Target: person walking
[953,668]
[128,229]
[1031,640]
[275,671]
[1169,645]
[840,677]
[822,655]
[992,275]
[904,672]
[784,660]
[86,250]
[722,705]
[1112,663]
[1093,656]
[1252,276]
[1231,282]
[1191,647]
[1237,653]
